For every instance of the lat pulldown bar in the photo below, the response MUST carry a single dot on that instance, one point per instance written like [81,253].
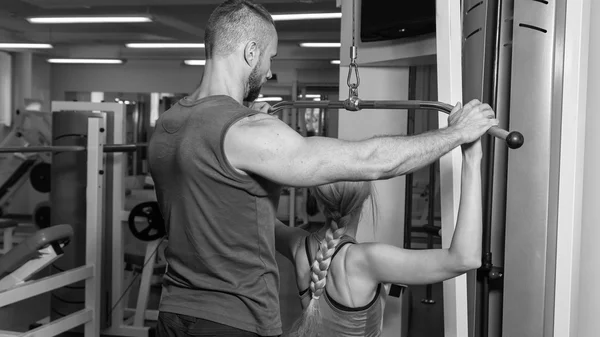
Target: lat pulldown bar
[513,139]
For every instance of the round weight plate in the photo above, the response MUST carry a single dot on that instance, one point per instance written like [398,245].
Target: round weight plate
[146,222]
[41,216]
[39,176]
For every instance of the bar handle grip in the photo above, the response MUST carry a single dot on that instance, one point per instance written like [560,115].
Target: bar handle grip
[513,139]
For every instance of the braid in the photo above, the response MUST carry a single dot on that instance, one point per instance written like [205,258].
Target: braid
[340,203]
[308,324]
[320,266]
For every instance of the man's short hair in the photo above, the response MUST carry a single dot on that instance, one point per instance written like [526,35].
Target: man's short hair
[235,22]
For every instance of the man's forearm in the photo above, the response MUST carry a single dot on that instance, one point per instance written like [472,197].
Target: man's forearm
[405,154]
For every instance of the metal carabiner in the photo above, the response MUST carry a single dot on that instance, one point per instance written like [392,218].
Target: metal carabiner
[349,80]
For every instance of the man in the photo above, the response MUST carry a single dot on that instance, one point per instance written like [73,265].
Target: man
[218,168]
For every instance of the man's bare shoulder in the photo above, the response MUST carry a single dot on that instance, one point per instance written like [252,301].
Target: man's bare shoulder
[259,120]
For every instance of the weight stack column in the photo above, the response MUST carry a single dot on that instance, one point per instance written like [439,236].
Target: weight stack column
[68,200]
[534,170]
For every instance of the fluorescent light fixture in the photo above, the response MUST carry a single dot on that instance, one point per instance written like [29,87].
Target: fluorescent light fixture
[335,61]
[86,61]
[88,19]
[321,44]
[268,99]
[25,45]
[310,96]
[305,16]
[194,62]
[164,45]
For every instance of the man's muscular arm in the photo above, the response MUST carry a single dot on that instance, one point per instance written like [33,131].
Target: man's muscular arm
[266,146]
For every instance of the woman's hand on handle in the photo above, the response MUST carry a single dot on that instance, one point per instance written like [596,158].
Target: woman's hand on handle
[472,120]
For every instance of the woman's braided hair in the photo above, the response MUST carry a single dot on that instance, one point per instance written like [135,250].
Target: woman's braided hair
[340,202]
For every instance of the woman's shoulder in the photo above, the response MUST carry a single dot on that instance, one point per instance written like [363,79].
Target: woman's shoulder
[350,283]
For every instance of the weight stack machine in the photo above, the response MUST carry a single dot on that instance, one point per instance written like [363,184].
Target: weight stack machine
[513,60]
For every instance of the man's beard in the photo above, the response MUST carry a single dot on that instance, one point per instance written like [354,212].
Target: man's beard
[254,85]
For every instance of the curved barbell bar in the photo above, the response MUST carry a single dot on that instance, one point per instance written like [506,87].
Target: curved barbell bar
[513,139]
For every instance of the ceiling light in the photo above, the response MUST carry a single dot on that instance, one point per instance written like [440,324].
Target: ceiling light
[86,61]
[88,19]
[335,61]
[268,99]
[305,16]
[195,62]
[26,45]
[164,45]
[321,44]
[310,96]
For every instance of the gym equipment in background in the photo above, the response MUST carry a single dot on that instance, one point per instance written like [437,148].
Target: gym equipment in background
[31,129]
[48,244]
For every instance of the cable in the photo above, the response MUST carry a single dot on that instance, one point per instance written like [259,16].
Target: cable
[354,2]
[136,276]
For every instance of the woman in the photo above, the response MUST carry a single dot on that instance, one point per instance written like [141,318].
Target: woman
[341,281]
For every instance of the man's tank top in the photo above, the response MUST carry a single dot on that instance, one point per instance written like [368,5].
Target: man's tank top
[220,223]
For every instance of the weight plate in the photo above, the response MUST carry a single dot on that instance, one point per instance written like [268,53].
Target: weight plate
[146,222]
[39,176]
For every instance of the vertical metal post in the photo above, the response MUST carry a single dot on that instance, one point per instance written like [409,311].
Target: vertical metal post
[113,242]
[410,129]
[431,222]
[94,218]
[572,255]
[449,65]
[490,92]
[487,49]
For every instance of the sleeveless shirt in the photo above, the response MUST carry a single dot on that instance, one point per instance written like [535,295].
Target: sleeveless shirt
[220,223]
